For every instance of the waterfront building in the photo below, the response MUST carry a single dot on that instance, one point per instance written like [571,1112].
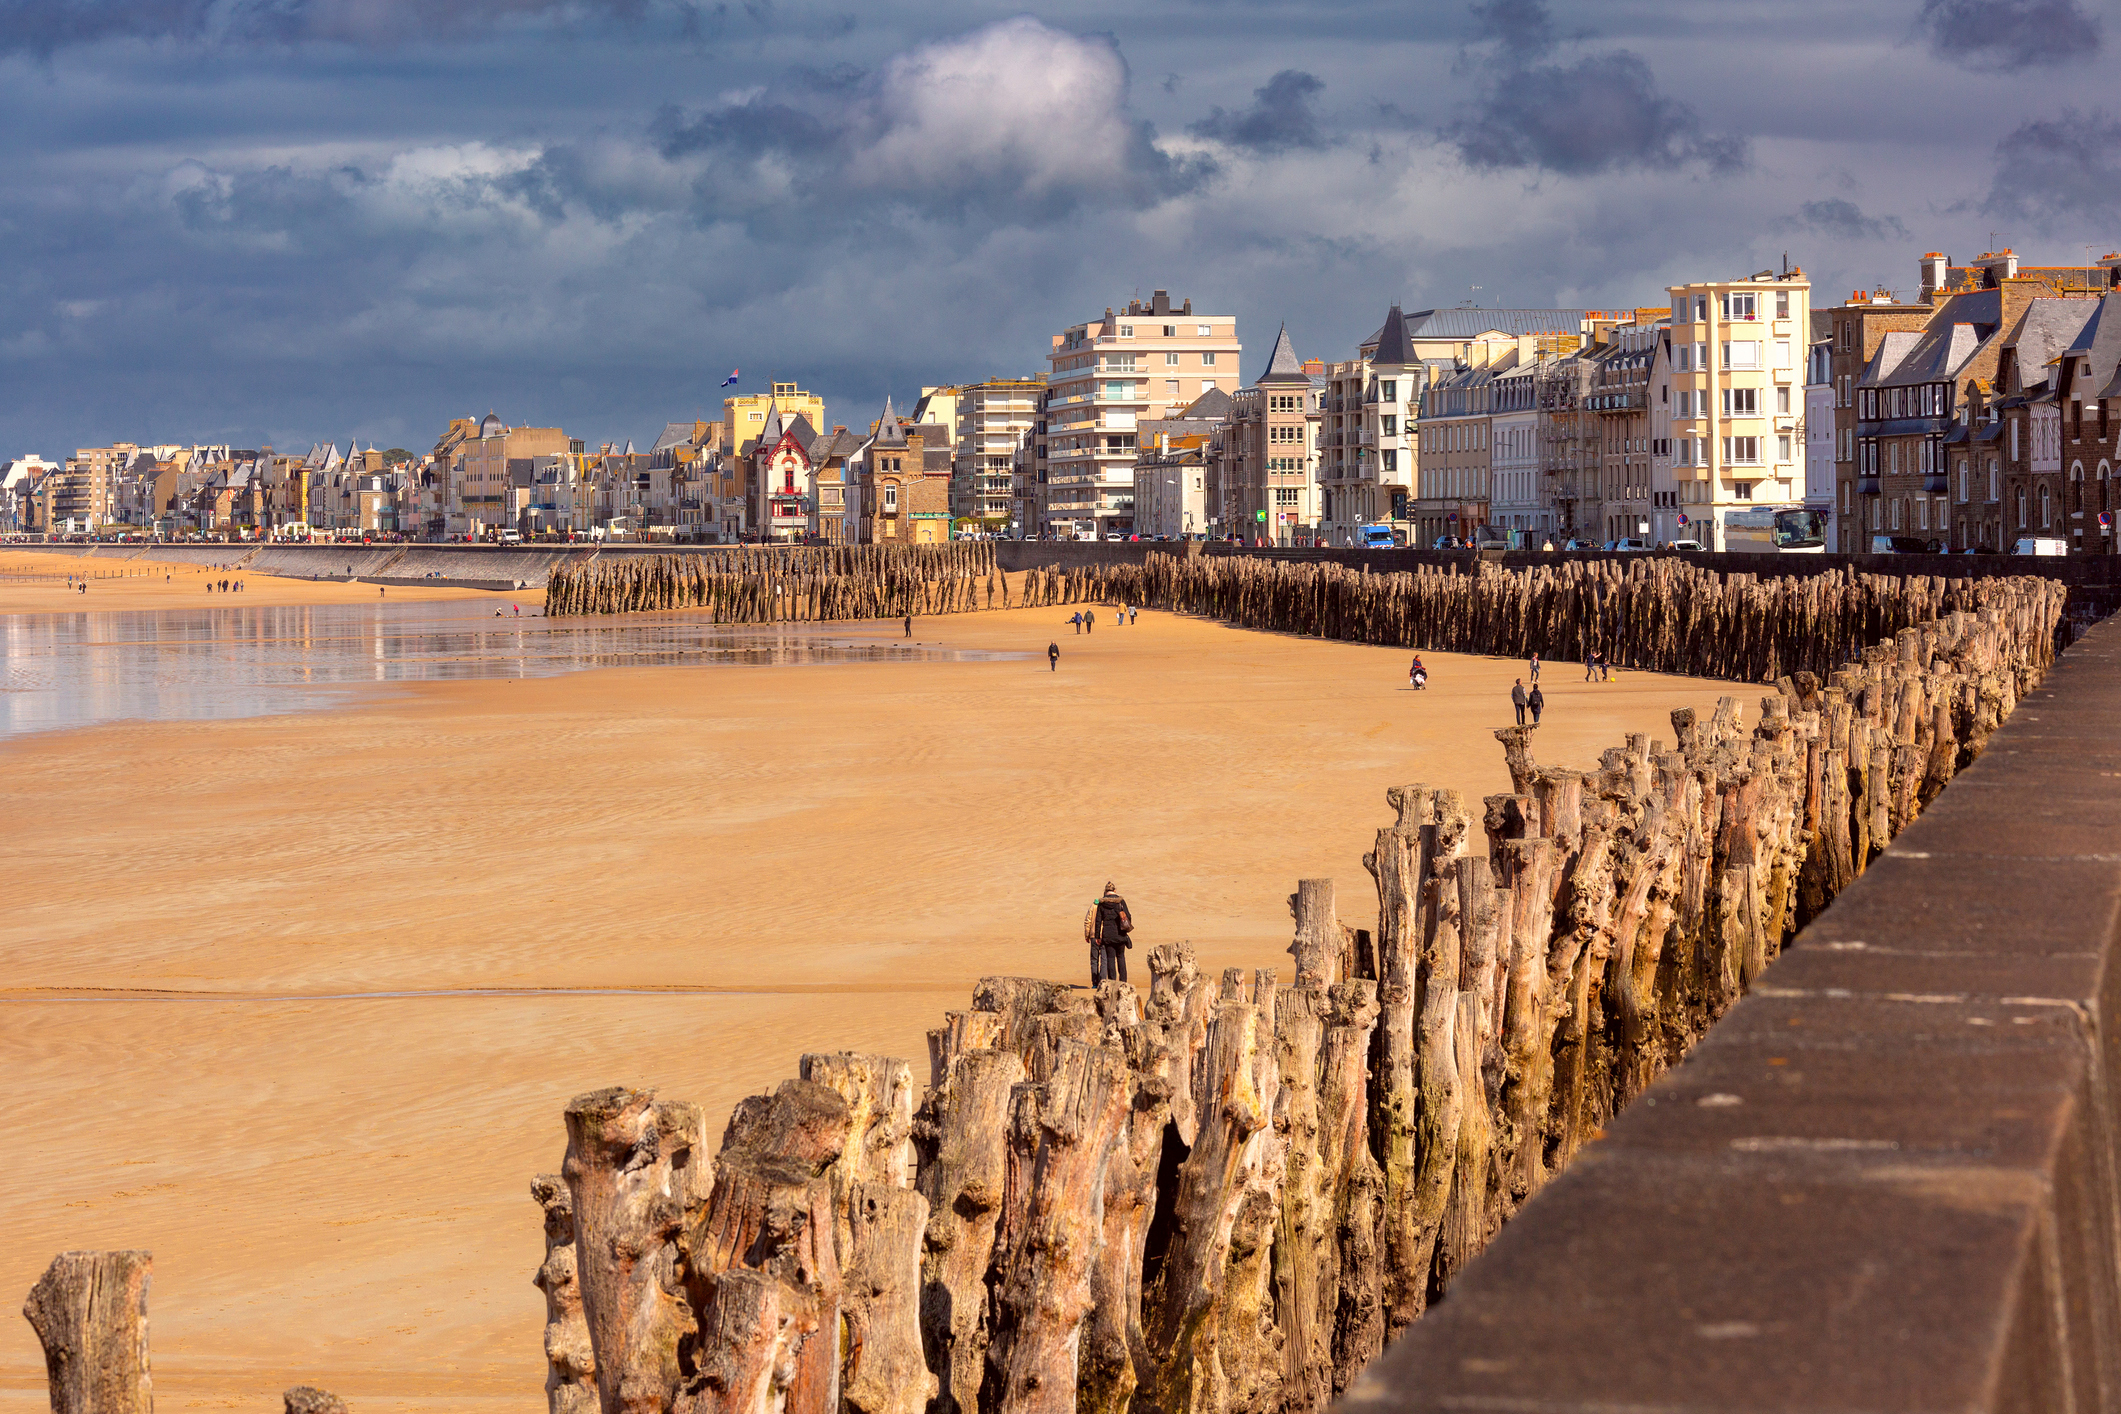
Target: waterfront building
[1265,489]
[991,420]
[1105,376]
[1738,422]
[744,415]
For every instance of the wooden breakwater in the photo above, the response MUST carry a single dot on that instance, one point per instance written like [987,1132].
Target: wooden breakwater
[1653,613]
[1226,1196]
[773,584]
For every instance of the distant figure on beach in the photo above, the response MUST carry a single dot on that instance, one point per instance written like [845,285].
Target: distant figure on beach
[909,625]
[1076,618]
[1590,666]
[1089,621]
[1123,616]
[1535,669]
[1417,675]
[1605,668]
[519,610]
[379,591]
[1517,699]
[1537,702]
[1053,657]
[1106,930]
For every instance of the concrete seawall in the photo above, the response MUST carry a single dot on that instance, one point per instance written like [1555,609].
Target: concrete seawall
[1887,1180]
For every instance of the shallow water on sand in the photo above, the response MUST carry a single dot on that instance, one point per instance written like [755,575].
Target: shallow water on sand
[73,670]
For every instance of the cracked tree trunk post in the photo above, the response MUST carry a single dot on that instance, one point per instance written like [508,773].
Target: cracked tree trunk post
[886,1369]
[1305,1237]
[1182,1316]
[964,1187]
[1352,1183]
[632,1166]
[570,1379]
[1113,1352]
[1398,864]
[771,1213]
[1322,946]
[89,1310]
[1045,1296]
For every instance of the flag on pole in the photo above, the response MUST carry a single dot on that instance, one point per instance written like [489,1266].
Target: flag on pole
[731,378]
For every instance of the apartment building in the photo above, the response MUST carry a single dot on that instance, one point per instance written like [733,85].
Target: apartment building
[1366,474]
[1515,505]
[744,416]
[1619,393]
[1738,417]
[1819,424]
[991,420]
[1105,376]
[488,471]
[1456,450]
[1170,483]
[2053,423]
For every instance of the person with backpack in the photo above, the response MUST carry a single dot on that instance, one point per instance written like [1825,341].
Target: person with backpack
[1105,928]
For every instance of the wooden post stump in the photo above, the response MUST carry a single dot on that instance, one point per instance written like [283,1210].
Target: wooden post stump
[89,1310]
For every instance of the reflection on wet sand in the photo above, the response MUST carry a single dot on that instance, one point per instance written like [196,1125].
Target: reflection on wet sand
[71,670]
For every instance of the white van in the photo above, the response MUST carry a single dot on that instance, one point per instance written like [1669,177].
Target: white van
[2041,545]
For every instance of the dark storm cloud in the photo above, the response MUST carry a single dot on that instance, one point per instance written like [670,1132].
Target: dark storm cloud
[1604,112]
[46,26]
[2006,36]
[1282,116]
[2055,171]
[1834,216]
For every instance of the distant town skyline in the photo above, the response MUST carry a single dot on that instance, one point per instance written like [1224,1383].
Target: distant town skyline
[235,222]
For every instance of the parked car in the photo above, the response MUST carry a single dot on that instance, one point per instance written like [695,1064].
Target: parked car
[1579,545]
[1629,543]
[1902,545]
[2041,545]
[1684,545]
[1447,542]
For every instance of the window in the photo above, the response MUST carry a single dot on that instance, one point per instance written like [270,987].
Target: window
[1701,307]
[1742,353]
[1679,310]
[1737,306]
[1126,331]
[2014,453]
[1896,513]
[1782,402]
[1922,513]
[1388,391]
[1119,390]
[1391,459]
[1963,491]
[1994,487]
[1171,360]
[1741,402]
[1388,426]
[1205,329]
[2021,510]
[1683,357]
[1741,451]
[890,498]
[1207,360]
[1782,304]
[1783,448]
[1701,358]
[1170,387]
[2043,507]
[1207,385]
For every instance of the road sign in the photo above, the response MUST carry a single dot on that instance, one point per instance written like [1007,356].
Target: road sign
[1259,515]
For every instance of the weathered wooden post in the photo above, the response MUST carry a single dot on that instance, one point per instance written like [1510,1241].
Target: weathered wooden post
[89,1310]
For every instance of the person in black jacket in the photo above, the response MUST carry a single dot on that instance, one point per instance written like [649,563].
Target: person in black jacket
[1517,699]
[1108,950]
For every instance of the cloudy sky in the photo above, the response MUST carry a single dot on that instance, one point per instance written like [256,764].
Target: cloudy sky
[283,221]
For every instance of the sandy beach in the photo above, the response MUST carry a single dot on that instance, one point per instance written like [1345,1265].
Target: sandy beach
[296,1001]
[33,583]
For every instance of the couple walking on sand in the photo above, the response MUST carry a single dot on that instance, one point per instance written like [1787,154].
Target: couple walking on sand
[1534,701]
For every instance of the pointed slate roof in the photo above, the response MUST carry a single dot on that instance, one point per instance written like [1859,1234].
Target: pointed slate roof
[1284,366]
[1212,405]
[889,432]
[1393,346]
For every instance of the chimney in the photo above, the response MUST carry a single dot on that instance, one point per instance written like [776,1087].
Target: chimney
[2111,264]
[1159,301]
[1934,265]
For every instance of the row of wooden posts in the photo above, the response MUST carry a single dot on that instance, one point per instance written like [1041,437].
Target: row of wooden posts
[764,584]
[1654,613]
[1226,1196]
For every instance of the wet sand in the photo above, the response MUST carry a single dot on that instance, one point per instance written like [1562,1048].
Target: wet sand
[33,583]
[772,860]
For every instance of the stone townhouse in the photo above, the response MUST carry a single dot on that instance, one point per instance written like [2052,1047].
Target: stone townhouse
[1266,492]
[1619,393]
[1514,503]
[1919,394]
[2053,428]
[830,457]
[901,489]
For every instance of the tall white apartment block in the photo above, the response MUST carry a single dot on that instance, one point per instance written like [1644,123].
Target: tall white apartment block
[1738,424]
[1107,374]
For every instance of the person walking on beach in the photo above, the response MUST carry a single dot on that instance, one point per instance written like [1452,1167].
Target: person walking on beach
[1076,618]
[1517,699]
[1106,929]
[1417,675]
[1134,614]
[1053,657]
[1537,702]
[909,625]
[1089,621]
[1605,668]
[1590,666]
[1535,669]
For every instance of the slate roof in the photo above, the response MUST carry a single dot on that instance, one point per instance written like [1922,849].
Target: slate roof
[1392,345]
[1284,366]
[675,434]
[1471,323]
[889,431]
[1214,404]
[2047,328]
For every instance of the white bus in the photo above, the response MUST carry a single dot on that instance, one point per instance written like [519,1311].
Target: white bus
[1775,530]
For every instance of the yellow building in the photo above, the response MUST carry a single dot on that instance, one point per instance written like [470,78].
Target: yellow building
[744,416]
